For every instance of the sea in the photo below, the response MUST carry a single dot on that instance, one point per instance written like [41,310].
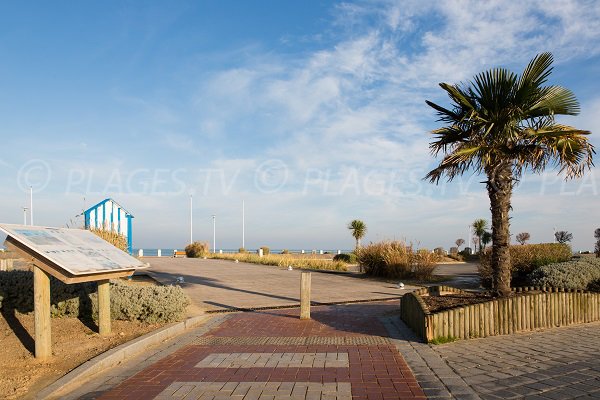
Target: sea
[149,252]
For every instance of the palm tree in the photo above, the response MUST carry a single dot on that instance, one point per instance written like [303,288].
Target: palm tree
[597,247]
[359,229]
[500,125]
[486,238]
[479,227]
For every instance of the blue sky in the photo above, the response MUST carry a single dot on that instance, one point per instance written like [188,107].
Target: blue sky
[312,112]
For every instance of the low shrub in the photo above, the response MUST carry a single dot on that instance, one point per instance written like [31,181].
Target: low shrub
[285,251]
[149,304]
[396,259]
[266,251]
[524,259]
[457,257]
[439,251]
[348,258]
[196,250]
[128,302]
[453,250]
[241,250]
[579,274]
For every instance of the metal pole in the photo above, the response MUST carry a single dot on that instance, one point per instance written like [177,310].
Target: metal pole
[243,225]
[191,220]
[30,205]
[469,242]
[214,217]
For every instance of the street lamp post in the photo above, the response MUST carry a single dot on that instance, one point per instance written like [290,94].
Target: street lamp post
[191,220]
[214,217]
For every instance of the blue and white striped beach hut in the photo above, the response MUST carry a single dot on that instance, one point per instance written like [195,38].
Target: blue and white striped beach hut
[111,216]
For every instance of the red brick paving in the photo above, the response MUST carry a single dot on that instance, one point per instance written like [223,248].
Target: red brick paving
[375,372]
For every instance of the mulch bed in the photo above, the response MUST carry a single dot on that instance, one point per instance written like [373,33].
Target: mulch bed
[455,300]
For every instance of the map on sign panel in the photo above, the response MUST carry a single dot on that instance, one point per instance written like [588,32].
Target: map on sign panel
[75,250]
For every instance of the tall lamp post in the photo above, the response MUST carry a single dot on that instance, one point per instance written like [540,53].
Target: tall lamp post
[31,205]
[243,225]
[191,219]
[214,217]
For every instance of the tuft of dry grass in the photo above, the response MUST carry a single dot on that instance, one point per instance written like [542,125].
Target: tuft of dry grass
[116,239]
[396,259]
[284,260]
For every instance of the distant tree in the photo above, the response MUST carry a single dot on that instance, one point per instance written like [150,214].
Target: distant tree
[563,237]
[359,229]
[486,238]
[523,237]
[597,236]
[479,227]
[459,242]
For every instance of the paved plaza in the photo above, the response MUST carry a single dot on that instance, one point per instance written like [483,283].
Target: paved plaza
[357,351]
[225,285]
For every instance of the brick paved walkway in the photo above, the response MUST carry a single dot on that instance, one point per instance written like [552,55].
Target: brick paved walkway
[342,353]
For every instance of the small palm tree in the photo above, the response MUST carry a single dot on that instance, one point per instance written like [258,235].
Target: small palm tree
[479,227]
[486,238]
[359,229]
[459,242]
[501,124]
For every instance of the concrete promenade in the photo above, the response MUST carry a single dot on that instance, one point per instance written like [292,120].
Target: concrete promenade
[225,285]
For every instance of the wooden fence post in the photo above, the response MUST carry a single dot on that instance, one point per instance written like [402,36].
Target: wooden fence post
[305,295]
[104,307]
[41,305]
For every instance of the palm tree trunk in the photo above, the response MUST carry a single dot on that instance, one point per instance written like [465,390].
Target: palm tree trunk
[499,187]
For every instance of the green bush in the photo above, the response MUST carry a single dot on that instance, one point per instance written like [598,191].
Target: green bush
[348,258]
[196,250]
[266,250]
[128,302]
[149,304]
[395,259]
[524,259]
[581,274]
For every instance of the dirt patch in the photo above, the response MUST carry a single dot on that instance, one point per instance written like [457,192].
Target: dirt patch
[454,300]
[73,343]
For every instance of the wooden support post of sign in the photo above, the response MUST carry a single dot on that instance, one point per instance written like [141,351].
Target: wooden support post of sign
[41,305]
[305,295]
[104,307]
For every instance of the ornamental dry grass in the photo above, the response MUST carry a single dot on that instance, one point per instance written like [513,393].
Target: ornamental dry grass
[396,259]
[524,259]
[284,260]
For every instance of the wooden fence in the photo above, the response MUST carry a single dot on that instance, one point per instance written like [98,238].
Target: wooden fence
[526,310]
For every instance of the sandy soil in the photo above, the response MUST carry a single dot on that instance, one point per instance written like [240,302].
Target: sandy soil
[73,343]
